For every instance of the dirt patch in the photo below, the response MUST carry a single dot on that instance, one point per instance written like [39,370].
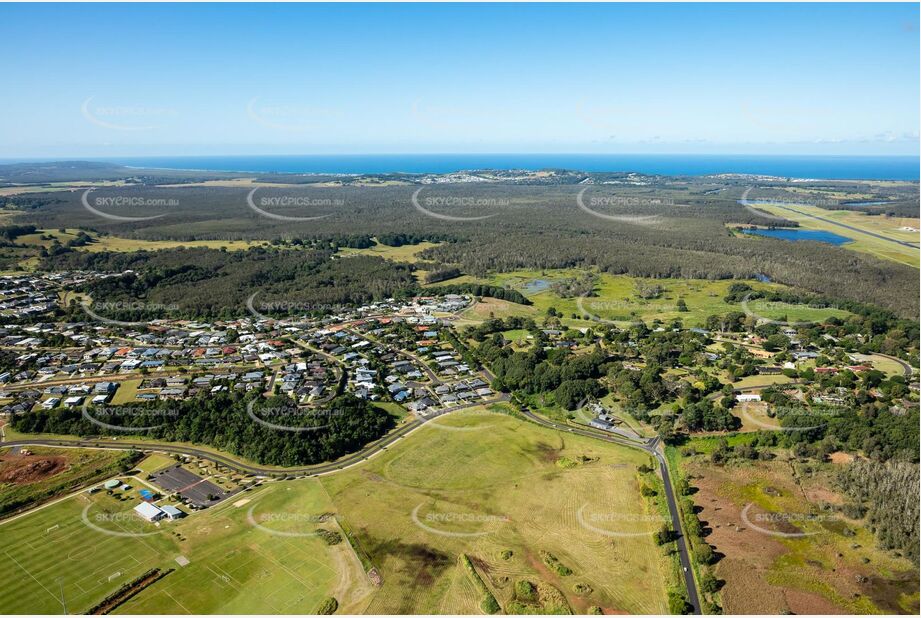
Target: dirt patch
[818,495]
[748,554]
[887,592]
[22,469]
[841,458]
[801,603]
[765,574]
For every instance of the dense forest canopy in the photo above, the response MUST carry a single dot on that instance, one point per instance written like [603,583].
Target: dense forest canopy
[223,421]
[529,226]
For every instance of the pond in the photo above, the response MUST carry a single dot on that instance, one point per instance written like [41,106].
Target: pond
[535,285]
[800,234]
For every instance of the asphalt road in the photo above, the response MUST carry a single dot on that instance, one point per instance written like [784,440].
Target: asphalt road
[239,466]
[906,368]
[839,224]
[649,446]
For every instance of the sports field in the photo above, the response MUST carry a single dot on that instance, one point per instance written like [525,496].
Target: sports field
[56,563]
[241,556]
[522,502]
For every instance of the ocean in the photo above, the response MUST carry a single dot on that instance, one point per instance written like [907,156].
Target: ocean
[824,167]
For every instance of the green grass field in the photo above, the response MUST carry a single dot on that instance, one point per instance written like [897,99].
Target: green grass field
[616,300]
[503,491]
[237,561]
[52,553]
[482,484]
[406,253]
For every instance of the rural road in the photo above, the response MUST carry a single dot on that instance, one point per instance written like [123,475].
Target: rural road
[648,446]
[906,368]
[246,468]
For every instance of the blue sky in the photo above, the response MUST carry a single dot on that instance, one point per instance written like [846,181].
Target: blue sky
[123,79]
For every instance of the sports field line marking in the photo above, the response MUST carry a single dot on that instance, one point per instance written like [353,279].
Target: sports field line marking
[225,577]
[283,567]
[272,594]
[53,596]
[175,600]
[236,568]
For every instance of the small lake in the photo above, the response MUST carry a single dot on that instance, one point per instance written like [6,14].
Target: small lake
[535,285]
[866,203]
[797,234]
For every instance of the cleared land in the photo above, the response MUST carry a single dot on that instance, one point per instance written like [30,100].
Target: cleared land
[511,495]
[26,480]
[237,563]
[833,568]
[617,300]
[507,494]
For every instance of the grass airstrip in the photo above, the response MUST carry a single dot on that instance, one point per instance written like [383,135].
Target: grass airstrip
[512,497]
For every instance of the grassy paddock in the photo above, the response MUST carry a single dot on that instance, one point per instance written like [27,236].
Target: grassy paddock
[501,491]
[616,300]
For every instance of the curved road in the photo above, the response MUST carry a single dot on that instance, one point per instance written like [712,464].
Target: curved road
[349,460]
[649,446]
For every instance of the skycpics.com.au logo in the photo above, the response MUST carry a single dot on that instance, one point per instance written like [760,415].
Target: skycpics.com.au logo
[619,524]
[290,117]
[426,204]
[126,117]
[291,417]
[444,523]
[113,524]
[786,525]
[631,202]
[474,412]
[97,310]
[766,305]
[588,305]
[268,310]
[96,414]
[290,524]
[101,206]
[298,203]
